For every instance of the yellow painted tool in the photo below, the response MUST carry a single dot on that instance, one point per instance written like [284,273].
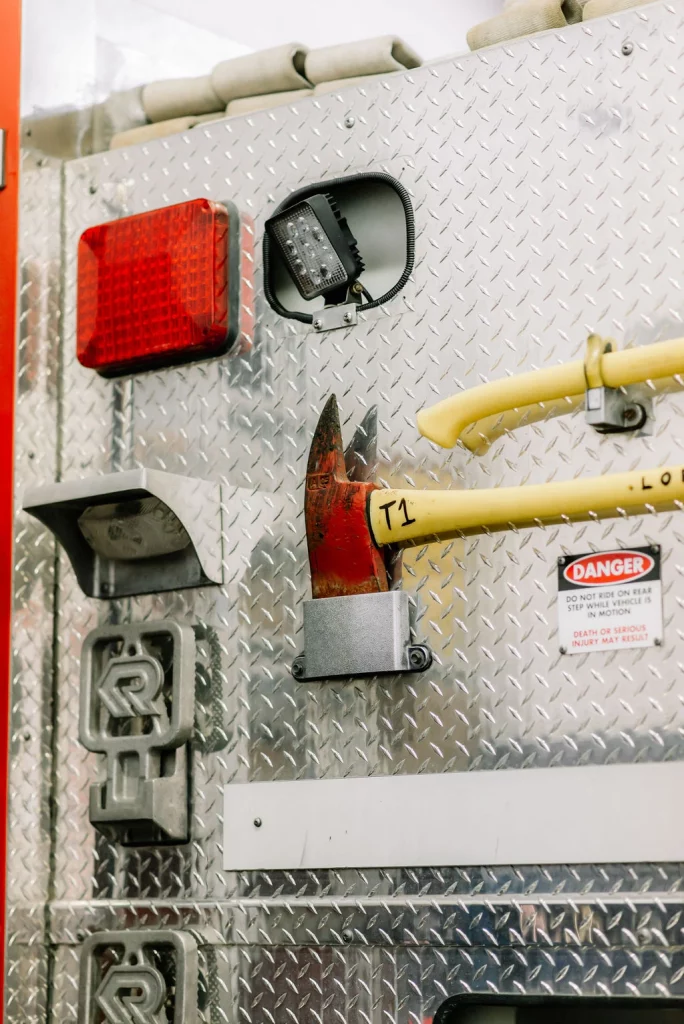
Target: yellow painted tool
[405,516]
[478,415]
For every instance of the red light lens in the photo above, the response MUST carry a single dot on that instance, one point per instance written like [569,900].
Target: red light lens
[159,288]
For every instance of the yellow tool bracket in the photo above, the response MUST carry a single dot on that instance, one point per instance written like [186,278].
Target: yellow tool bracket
[407,517]
[505,404]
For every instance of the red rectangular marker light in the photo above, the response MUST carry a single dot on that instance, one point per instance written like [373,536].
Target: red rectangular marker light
[160,288]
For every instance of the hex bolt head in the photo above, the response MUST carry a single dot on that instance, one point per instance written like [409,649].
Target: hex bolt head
[258,823]
[349,121]
[317,325]
[298,667]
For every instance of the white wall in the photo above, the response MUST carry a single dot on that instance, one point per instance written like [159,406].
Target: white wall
[77,51]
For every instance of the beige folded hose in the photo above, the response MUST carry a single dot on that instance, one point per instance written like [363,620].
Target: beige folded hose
[522,19]
[572,9]
[180,97]
[366,57]
[280,69]
[598,8]
[251,104]
[160,130]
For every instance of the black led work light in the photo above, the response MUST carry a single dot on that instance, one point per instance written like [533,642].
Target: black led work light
[318,248]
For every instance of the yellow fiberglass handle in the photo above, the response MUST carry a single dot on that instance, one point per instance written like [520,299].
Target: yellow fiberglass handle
[406,517]
[445,422]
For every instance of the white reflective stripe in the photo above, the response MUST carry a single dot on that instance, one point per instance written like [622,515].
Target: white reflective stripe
[591,815]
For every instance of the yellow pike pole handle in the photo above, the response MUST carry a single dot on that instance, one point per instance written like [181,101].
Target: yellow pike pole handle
[445,422]
[405,517]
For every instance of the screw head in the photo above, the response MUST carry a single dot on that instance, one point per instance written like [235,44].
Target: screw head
[104,589]
[27,735]
[258,823]
[627,48]
[420,657]
[317,325]
[92,189]
[658,642]
[347,935]
[298,667]
[347,318]
[561,560]
[349,121]
[563,650]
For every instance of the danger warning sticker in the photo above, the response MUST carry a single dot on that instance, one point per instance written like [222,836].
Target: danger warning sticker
[609,600]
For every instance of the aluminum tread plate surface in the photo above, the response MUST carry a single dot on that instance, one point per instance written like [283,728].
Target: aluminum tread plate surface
[546,178]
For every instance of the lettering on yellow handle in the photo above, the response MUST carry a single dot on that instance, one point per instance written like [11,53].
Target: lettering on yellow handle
[665,480]
[406,521]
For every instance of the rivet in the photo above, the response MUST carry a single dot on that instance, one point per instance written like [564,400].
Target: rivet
[563,650]
[349,122]
[658,642]
[27,735]
[627,48]
[258,823]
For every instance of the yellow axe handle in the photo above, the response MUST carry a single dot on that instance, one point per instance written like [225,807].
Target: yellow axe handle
[399,517]
[445,422]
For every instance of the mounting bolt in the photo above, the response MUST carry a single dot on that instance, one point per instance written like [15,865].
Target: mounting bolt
[317,325]
[561,560]
[80,935]
[420,657]
[627,48]
[658,642]
[347,317]
[563,650]
[298,667]
[347,935]
[349,122]
[258,823]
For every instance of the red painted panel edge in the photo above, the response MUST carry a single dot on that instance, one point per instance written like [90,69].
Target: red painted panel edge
[10,85]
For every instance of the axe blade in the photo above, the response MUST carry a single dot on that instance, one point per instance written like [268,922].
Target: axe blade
[343,555]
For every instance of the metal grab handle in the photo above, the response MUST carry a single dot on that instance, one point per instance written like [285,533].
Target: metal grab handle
[446,422]
[401,516]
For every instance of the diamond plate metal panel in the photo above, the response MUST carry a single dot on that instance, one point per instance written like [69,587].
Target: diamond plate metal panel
[546,178]
[36,457]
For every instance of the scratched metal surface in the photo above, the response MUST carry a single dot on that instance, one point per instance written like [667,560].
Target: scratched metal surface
[546,180]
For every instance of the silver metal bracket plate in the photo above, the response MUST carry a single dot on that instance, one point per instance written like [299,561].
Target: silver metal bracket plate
[146,975]
[137,708]
[332,318]
[613,411]
[366,634]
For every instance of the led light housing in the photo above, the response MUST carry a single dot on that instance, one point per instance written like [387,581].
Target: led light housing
[160,287]
[318,248]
